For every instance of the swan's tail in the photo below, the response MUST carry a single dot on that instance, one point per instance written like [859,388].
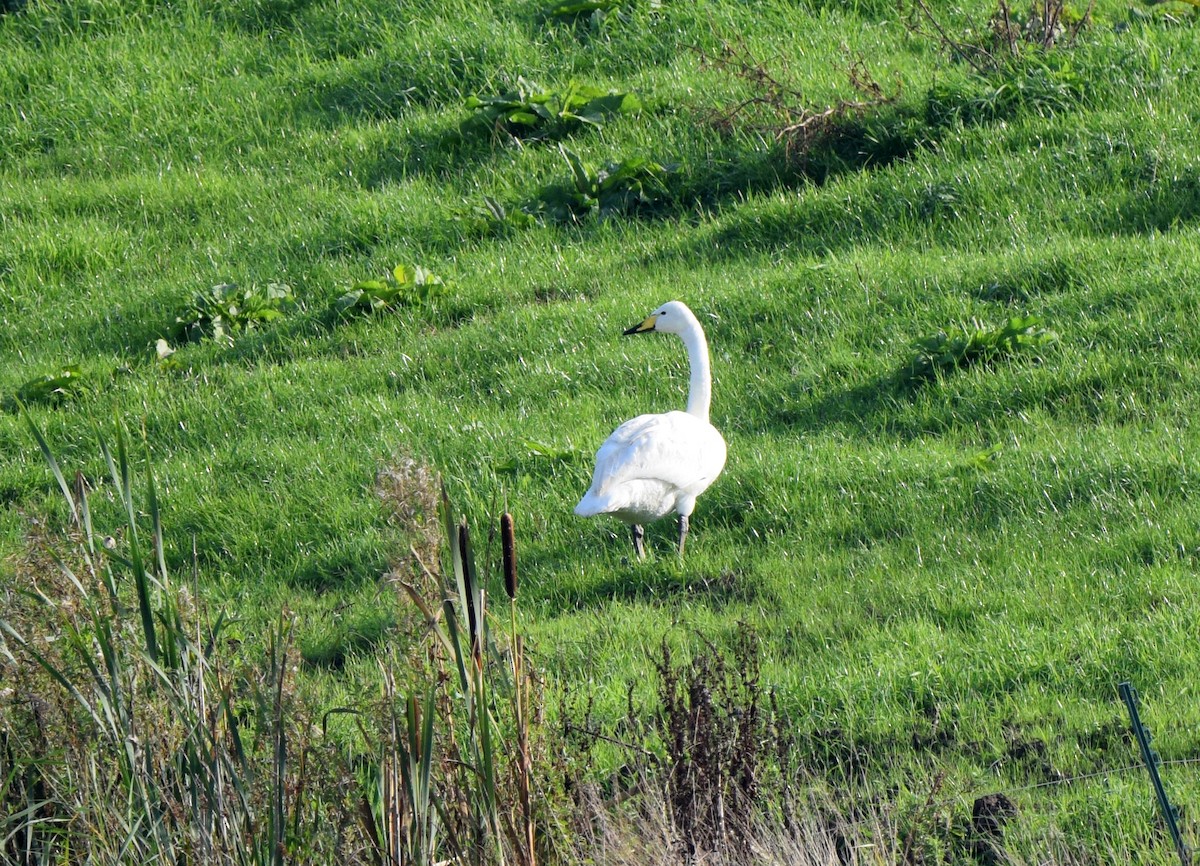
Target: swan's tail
[590,505]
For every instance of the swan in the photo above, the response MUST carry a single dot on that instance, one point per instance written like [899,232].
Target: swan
[655,464]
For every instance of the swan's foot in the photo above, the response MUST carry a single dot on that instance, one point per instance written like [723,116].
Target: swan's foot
[683,531]
[639,544]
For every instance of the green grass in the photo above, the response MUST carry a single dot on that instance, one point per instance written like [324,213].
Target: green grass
[995,547]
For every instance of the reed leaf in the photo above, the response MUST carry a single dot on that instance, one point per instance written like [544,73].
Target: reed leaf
[53,464]
[119,472]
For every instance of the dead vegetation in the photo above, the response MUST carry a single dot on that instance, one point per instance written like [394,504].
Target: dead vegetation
[1010,33]
[1011,58]
[410,493]
[781,112]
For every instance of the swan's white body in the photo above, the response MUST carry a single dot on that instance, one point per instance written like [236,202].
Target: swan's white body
[653,465]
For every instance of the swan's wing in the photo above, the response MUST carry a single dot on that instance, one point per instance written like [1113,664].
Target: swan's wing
[670,455]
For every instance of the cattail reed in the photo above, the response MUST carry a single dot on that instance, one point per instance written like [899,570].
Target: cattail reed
[468,567]
[526,852]
[508,554]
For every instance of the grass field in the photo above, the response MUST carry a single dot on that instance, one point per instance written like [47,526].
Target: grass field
[948,574]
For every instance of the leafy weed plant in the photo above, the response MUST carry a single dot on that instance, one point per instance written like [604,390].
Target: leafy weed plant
[574,8]
[531,111]
[593,17]
[224,311]
[52,389]
[947,351]
[406,285]
[492,219]
[637,185]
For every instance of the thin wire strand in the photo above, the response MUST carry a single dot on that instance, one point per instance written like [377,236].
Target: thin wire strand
[1068,780]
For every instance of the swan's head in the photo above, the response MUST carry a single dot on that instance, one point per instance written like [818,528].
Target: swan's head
[673,317]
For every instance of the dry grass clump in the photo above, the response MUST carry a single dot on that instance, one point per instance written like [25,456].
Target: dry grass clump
[643,832]
[411,494]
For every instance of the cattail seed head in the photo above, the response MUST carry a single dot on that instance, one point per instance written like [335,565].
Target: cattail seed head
[468,566]
[508,554]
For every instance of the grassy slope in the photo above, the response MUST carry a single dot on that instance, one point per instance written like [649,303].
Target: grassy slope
[151,152]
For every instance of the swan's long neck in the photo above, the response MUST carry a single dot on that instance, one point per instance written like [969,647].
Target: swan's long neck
[700,385]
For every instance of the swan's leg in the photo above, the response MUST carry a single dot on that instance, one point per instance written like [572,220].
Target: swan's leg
[638,534]
[683,531]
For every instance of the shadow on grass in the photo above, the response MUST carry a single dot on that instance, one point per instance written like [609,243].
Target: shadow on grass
[437,153]
[659,581]
[279,343]
[868,404]
[908,407]
[1162,207]
[261,17]
[337,570]
[733,171]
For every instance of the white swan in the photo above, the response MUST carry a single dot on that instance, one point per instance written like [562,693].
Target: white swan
[655,464]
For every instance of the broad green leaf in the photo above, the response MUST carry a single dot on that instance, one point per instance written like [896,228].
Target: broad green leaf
[52,387]
[584,178]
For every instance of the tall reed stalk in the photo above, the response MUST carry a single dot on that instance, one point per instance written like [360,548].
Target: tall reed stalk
[484,798]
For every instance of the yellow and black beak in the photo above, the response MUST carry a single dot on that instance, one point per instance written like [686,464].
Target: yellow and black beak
[647,325]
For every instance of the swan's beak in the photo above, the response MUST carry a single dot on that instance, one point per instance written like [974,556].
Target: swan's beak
[647,325]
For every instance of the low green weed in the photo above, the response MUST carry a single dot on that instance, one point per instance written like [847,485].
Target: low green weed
[947,351]
[531,111]
[574,8]
[1167,14]
[406,285]
[589,18]
[1033,86]
[535,452]
[633,185]
[52,389]
[224,311]
[491,219]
